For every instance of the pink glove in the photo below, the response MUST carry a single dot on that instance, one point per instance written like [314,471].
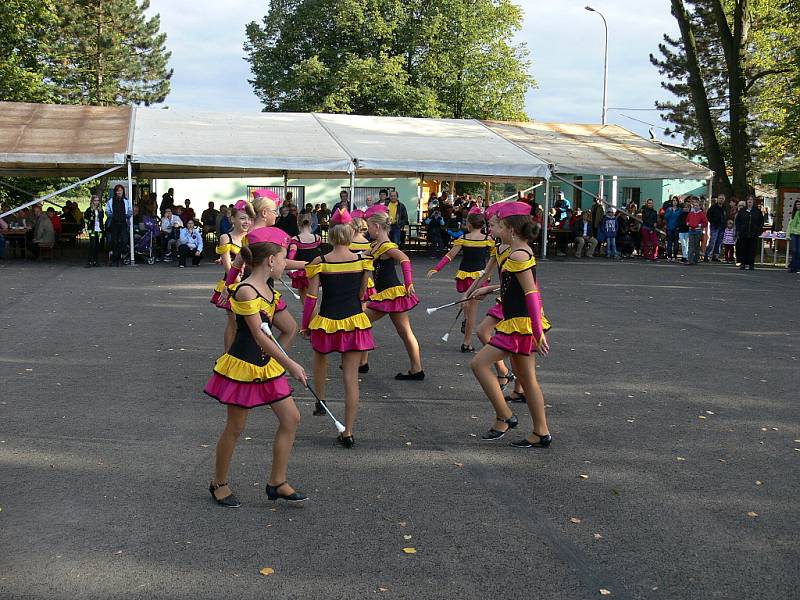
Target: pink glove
[232,276]
[308,310]
[533,300]
[442,263]
[292,252]
[408,274]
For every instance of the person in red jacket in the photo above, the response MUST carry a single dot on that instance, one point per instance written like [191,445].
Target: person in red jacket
[697,223]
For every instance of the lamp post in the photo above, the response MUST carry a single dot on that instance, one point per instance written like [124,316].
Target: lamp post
[604,117]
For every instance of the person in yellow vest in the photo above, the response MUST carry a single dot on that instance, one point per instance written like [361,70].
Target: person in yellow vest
[398,218]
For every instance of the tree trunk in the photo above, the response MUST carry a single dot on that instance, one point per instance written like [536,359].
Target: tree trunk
[716,160]
[734,45]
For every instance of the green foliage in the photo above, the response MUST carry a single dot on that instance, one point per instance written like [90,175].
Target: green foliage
[25,32]
[450,58]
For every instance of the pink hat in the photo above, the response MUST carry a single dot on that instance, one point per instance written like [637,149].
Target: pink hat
[357,214]
[511,209]
[341,216]
[492,210]
[475,211]
[272,235]
[375,209]
[265,193]
[241,205]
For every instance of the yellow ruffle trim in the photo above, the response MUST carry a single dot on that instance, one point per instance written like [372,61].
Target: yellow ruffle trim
[383,249]
[220,286]
[230,247]
[487,243]
[240,370]
[521,325]
[468,274]
[359,246]
[364,264]
[359,321]
[517,266]
[397,291]
[251,307]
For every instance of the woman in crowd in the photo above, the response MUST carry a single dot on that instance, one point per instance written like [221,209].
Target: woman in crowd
[519,333]
[253,371]
[228,247]
[475,246]
[303,247]
[793,229]
[94,217]
[341,325]
[391,297]
[749,226]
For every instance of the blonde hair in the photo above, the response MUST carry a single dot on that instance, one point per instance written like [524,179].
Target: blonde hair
[380,218]
[358,224]
[263,203]
[341,234]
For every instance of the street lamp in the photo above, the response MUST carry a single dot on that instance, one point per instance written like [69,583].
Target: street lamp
[605,66]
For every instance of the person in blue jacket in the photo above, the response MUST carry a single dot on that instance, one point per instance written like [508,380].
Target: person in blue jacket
[610,228]
[672,217]
[119,209]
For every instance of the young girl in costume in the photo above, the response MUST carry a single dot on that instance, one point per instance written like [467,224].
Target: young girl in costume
[253,371]
[228,247]
[475,247]
[391,297]
[341,325]
[521,331]
[360,245]
[303,247]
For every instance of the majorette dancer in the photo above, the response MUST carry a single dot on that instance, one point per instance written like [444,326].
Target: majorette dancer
[475,247]
[341,325]
[303,247]
[253,370]
[392,297]
[360,245]
[228,247]
[519,333]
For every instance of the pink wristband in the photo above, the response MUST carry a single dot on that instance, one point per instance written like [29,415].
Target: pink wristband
[408,274]
[232,276]
[442,263]
[308,310]
[534,303]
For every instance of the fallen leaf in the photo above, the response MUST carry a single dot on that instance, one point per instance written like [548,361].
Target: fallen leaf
[383,589]
[597,536]
[605,592]
[583,476]
[267,571]
[406,537]
[574,520]
[680,458]
[701,417]
[758,482]
[774,429]
[708,412]
[473,435]
[410,550]
[408,443]
[460,465]
[752,514]
[247,439]
[402,523]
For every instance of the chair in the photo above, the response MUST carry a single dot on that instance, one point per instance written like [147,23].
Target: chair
[46,249]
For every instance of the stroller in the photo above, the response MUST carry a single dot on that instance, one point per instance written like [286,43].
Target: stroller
[145,238]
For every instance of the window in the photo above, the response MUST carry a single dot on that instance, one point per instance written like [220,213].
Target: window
[298,192]
[631,194]
[361,193]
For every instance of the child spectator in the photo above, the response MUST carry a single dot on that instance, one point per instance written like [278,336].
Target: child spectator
[610,228]
[55,220]
[729,241]
[435,227]
[697,222]
[683,232]
[671,220]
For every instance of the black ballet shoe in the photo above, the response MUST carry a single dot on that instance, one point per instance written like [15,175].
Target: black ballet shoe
[418,376]
[510,378]
[544,442]
[229,501]
[494,434]
[512,398]
[467,348]
[319,410]
[346,441]
[295,497]
[363,368]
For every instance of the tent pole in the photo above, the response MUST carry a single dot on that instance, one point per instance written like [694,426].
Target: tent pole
[352,191]
[57,192]
[130,222]
[285,186]
[420,178]
[710,188]
[546,216]
[614,190]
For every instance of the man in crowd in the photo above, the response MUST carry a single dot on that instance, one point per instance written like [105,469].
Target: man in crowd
[648,231]
[309,210]
[398,218]
[43,233]
[170,230]
[584,235]
[435,229]
[190,244]
[188,211]
[167,200]
[717,217]
[119,210]
[223,222]
[209,218]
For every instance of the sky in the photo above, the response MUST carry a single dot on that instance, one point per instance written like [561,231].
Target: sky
[565,42]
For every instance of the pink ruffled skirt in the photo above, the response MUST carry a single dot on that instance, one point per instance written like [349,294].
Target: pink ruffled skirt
[299,279]
[516,343]
[462,285]
[247,394]
[396,305]
[496,312]
[359,340]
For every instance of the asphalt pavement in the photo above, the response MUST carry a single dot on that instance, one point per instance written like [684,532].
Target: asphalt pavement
[672,395]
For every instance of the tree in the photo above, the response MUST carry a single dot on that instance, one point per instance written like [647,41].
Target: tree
[451,58]
[727,69]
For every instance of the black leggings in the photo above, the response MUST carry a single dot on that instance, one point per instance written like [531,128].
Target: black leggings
[94,247]
[746,251]
[119,239]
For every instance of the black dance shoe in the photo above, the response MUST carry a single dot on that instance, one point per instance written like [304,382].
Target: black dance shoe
[318,409]
[418,376]
[515,397]
[229,501]
[465,348]
[544,442]
[294,497]
[363,368]
[494,434]
[346,441]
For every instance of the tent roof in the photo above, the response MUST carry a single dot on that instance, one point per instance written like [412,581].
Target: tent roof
[187,143]
[598,150]
[62,140]
[436,147]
